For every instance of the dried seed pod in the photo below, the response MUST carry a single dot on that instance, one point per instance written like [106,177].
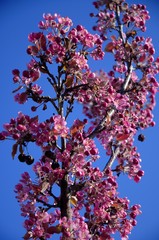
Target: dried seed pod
[141,137]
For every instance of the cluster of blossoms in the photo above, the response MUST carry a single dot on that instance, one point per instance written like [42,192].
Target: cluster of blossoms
[117,104]
[95,193]
[121,102]
[123,114]
[134,16]
[62,43]
[109,213]
[67,47]
[25,129]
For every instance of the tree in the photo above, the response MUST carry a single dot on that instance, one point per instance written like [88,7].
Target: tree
[71,196]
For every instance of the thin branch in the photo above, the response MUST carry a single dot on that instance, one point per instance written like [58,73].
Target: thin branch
[120,26]
[46,204]
[129,63]
[112,158]
[74,88]
[44,99]
[70,107]
[52,195]
[76,187]
[101,126]
[127,80]
[51,82]
[43,64]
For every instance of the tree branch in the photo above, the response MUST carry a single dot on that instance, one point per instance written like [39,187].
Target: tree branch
[46,204]
[67,90]
[43,64]
[127,80]
[112,158]
[101,126]
[120,26]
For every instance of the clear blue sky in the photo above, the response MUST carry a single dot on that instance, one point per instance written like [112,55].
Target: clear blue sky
[19,18]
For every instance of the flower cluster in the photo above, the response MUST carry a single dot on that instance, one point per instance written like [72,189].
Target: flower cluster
[61,42]
[25,129]
[136,15]
[26,83]
[38,220]
[103,98]
[69,48]
[121,102]
[108,213]
[95,193]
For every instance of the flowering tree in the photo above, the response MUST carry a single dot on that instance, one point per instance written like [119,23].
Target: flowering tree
[71,197]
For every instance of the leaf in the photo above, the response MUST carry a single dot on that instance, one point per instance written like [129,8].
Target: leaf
[28,235]
[131,33]
[14,150]
[64,68]
[109,47]
[128,47]
[69,81]
[75,129]
[116,205]
[54,229]
[43,69]
[122,136]
[73,200]
[42,42]
[79,75]
[113,37]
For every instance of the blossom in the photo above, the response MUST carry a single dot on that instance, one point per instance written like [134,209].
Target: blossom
[60,126]
[21,97]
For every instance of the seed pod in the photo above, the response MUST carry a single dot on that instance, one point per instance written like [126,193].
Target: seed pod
[55,165]
[141,137]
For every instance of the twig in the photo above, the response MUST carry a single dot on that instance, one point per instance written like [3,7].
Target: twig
[74,88]
[46,204]
[127,80]
[120,26]
[112,158]
[101,126]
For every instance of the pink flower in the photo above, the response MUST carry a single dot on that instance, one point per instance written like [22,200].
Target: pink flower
[21,98]
[37,89]
[60,126]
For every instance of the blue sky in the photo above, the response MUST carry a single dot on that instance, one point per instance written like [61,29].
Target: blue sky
[18,19]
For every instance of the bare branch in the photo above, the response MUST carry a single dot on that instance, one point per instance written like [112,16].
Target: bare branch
[49,206]
[127,80]
[120,26]
[112,158]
